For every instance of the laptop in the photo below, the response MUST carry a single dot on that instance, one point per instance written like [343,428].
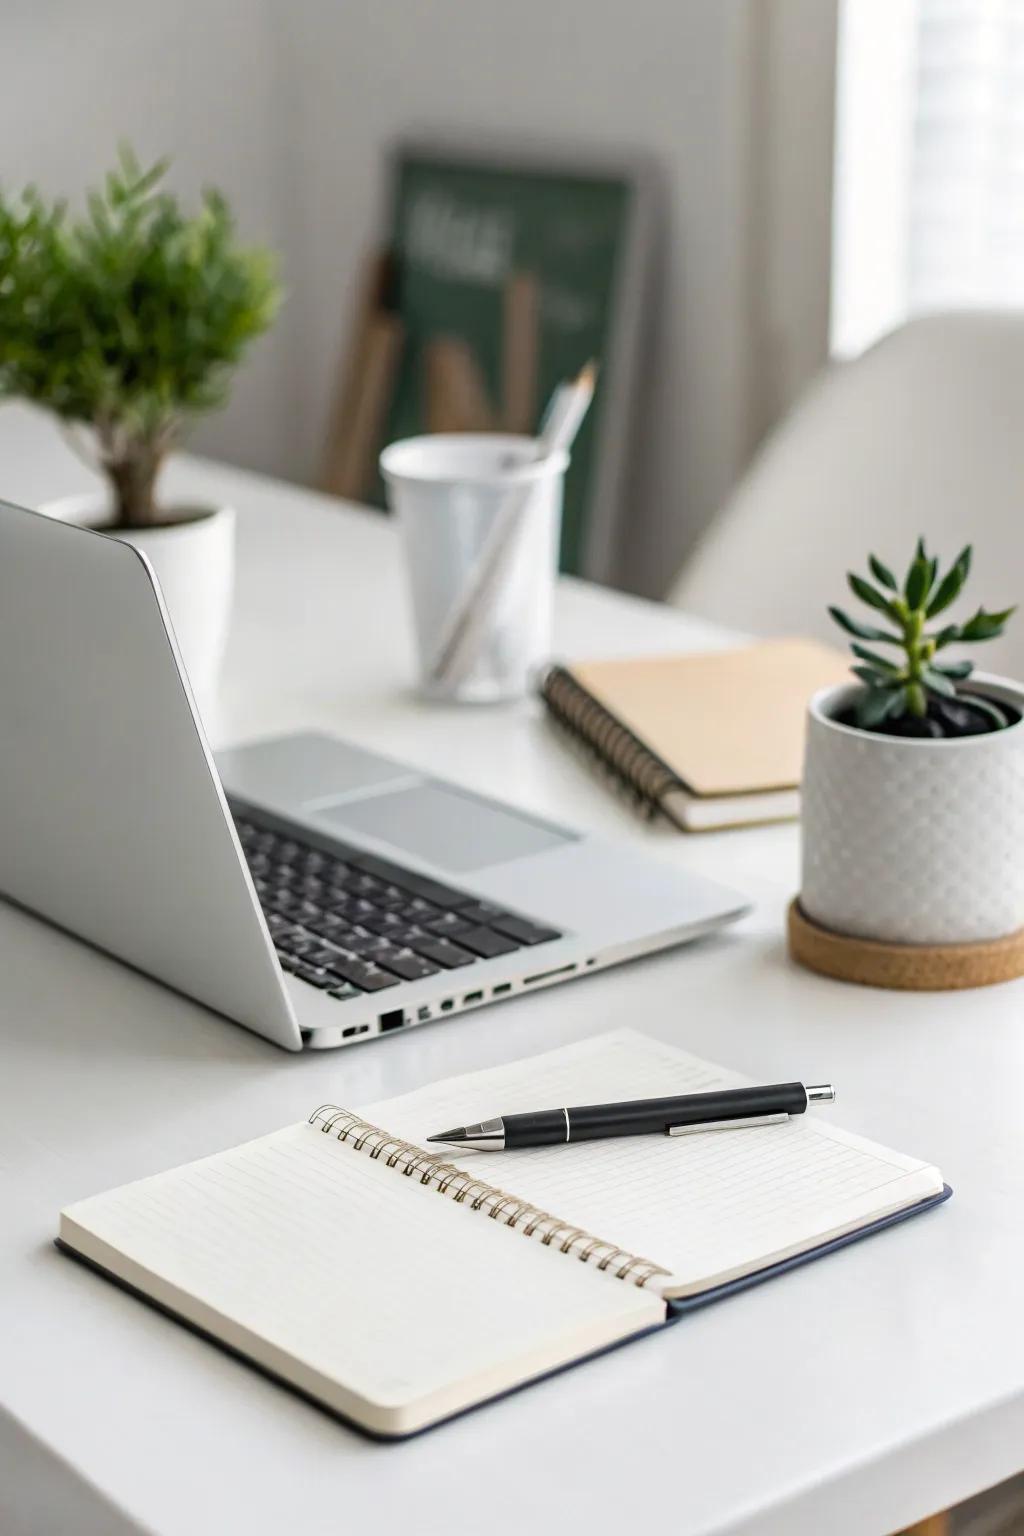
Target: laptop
[316,893]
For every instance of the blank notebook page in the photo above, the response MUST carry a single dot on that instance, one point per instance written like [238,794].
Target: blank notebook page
[365,1288]
[707,1207]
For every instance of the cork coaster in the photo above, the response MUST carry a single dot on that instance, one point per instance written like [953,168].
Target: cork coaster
[910,967]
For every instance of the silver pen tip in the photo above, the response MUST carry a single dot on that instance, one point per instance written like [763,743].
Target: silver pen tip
[821,1093]
[457,1133]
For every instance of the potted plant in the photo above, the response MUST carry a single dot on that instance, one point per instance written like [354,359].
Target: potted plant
[913,791]
[126,323]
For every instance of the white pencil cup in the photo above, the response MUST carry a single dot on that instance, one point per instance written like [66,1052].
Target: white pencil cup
[480,517]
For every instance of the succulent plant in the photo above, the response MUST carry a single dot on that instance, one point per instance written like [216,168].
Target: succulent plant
[915,684]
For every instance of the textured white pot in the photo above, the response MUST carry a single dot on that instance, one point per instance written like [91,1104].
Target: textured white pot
[913,841]
[194,561]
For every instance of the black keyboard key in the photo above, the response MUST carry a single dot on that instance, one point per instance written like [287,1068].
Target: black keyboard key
[417,910]
[323,956]
[416,885]
[479,911]
[306,911]
[334,877]
[432,890]
[301,948]
[373,979]
[409,966]
[385,922]
[328,923]
[316,977]
[523,930]
[450,955]
[363,974]
[344,992]
[448,925]
[283,938]
[410,935]
[370,946]
[486,943]
[399,932]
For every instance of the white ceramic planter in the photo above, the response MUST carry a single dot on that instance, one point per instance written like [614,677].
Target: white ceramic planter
[913,841]
[194,561]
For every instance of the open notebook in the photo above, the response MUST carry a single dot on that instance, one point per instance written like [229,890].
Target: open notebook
[397,1286]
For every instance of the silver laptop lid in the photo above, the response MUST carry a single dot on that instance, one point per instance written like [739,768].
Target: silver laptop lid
[113,823]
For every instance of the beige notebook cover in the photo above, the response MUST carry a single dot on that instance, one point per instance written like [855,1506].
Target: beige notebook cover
[725,722]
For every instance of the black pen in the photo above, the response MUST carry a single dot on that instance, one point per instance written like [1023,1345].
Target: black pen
[729,1109]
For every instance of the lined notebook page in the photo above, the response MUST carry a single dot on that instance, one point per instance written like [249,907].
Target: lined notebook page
[374,1293]
[707,1207]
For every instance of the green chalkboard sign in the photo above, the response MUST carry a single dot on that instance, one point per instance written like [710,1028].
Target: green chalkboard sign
[512,271]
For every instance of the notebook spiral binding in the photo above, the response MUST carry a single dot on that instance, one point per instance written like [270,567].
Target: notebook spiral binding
[606,742]
[449,1180]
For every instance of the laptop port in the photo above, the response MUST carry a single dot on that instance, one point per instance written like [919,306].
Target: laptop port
[561,970]
[447,1005]
[423,1014]
[472,997]
[393,1019]
[501,989]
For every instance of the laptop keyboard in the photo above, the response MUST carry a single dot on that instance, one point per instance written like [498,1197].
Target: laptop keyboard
[351,923]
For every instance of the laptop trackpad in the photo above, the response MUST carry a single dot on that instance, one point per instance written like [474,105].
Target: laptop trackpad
[437,823]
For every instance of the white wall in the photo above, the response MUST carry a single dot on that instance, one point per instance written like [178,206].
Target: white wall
[289,108]
[659,74]
[194,79]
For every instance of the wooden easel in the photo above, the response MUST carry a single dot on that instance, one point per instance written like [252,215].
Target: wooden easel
[935,1525]
[456,395]
[366,384]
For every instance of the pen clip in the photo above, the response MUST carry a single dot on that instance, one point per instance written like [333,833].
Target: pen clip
[726,1125]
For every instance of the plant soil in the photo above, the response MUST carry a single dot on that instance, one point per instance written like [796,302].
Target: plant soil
[165,518]
[946,720]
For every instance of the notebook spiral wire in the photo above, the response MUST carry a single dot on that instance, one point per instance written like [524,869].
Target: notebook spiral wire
[479,1195]
[606,742]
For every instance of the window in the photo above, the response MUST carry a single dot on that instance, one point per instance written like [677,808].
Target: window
[929,174]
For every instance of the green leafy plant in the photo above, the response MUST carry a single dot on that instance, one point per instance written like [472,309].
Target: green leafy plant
[916,684]
[128,320]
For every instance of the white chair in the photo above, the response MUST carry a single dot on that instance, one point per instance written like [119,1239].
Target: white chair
[923,434]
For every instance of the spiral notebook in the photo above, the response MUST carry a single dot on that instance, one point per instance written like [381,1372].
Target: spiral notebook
[398,1287]
[713,739]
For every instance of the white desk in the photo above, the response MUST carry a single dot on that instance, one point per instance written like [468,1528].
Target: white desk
[850,1397]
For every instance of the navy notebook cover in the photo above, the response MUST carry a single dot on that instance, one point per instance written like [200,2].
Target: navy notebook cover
[686,1304]
[676,1310]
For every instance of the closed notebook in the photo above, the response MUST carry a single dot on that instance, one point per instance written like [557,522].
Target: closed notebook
[712,739]
[398,1287]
